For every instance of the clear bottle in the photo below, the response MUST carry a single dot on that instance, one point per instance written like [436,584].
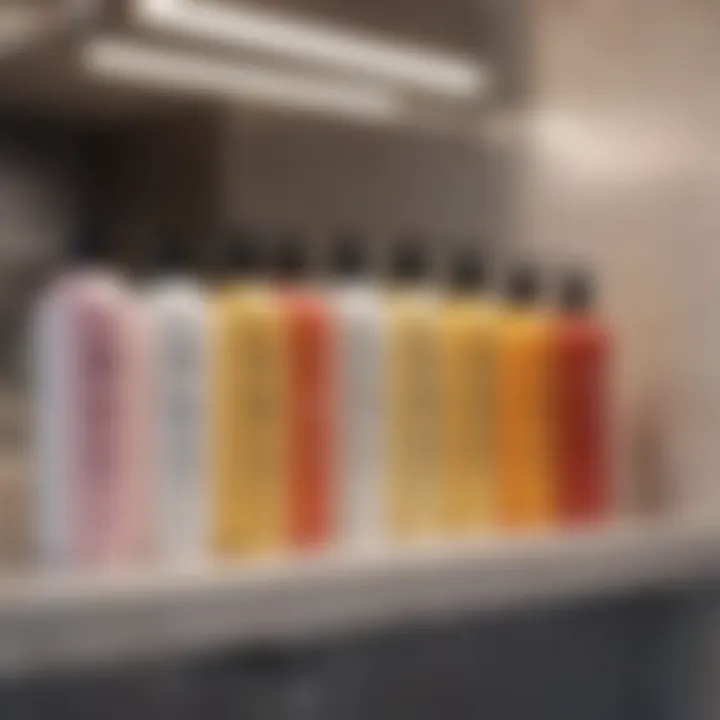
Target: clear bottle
[249,408]
[88,385]
[360,349]
[470,335]
[414,331]
[178,317]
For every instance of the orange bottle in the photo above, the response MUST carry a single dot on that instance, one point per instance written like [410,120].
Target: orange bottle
[525,422]
[309,358]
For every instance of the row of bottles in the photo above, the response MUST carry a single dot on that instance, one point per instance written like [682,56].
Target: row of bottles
[266,413]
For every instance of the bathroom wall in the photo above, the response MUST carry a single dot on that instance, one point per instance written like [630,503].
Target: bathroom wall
[623,143]
[385,183]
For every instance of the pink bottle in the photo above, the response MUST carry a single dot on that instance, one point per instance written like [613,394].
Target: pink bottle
[90,372]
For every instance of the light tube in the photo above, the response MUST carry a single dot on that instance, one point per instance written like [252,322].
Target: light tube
[290,36]
[140,64]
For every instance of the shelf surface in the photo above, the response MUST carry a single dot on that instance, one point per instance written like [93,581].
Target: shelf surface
[48,623]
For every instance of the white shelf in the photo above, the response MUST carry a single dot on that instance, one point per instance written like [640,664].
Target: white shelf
[47,623]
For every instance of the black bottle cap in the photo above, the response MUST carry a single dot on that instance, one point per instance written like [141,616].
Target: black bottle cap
[409,263]
[468,272]
[577,293]
[89,245]
[523,285]
[291,260]
[347,259]
[243,254]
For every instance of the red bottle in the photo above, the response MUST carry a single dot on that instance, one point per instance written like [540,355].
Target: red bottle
[309,348]
[582,394]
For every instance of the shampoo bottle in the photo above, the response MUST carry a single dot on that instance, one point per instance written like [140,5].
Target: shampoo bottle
[582,387]
[525,422]
[309,337]
[469,367]
[413,397]
[179,355]
[249,401]
[360,348]
[87,367]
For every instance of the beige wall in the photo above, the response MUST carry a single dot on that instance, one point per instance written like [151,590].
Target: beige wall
[624,172]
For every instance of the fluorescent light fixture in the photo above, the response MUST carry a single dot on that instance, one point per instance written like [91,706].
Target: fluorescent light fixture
[290,36]
[131,62]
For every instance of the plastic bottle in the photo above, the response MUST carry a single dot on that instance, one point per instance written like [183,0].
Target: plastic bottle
[179,360]
[582,359]
[88,381]
[413,396]
[525,422]
[469,359]
[249,401]
[309,342]
[361,337]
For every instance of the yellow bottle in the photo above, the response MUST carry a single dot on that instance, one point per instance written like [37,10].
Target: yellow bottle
[249,508]
[469,502]
[524,410]
[412,393]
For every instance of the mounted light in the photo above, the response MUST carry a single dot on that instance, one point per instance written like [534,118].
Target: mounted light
[289,36]
[131,62]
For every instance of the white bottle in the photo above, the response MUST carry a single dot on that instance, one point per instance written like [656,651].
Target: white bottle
[53,438]
[360,333]
[179,359]
[84,366]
